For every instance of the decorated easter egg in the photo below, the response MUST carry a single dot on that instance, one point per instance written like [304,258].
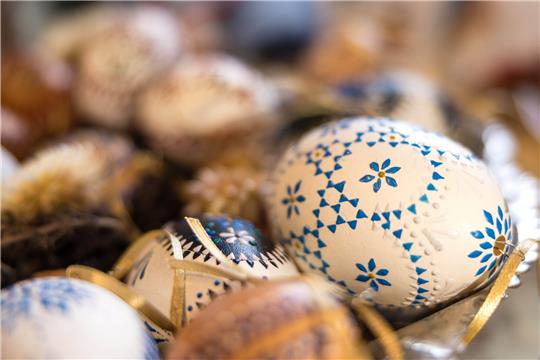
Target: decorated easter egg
[180,275]
[402,95]
[278,320]
[394,214]
[119,61]
[204,106]
[64,318]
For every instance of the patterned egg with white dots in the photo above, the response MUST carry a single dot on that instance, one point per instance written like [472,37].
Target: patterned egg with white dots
[396,215]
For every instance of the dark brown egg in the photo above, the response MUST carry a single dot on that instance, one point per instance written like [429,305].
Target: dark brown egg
[277,320]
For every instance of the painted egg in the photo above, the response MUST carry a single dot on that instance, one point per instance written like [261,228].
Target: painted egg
[180,292]
[402,95]
[394,214]
[277,320]
[64,318]
[118,62]
[205,105]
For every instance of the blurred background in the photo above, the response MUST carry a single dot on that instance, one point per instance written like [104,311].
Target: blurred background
[484,55]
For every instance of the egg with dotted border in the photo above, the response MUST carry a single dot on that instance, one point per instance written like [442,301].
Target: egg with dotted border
[153,277]
[395,214]
[57,317]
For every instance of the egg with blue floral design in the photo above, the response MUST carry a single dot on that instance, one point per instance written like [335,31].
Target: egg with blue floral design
[61,318]
[396,215]
[180,275]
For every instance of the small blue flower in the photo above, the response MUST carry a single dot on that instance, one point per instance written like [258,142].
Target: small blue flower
[493,241]
[375,278]
[316,155]
[293,199]
[381,173]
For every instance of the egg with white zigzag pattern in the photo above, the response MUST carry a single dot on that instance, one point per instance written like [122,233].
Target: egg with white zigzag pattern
[394,214]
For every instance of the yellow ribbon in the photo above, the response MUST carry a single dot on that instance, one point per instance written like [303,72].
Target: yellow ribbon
[497,292]
[118,288]
[380,328]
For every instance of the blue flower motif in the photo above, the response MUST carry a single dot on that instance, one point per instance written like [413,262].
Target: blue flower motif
[494,241]
[293,199]
[316,155]
[374,278]
[381,173]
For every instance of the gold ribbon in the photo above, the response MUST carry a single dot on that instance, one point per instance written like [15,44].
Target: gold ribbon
[47,273]
[497,291]
[380,328]
[118,288]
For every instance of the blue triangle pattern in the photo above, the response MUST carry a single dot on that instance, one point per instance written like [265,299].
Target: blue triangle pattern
[352,224]
[407,246]
[339,187]
[397,213]
[437,176]
[435,163]
[397,233]
[415,258]
[336,208]
[360,214]
[412,208]
[321,243]
[354,202]
[420,271]
[424,198]
[332,228]
[339,220]
[319,224]
[421,281]
[375,217]
[431,187]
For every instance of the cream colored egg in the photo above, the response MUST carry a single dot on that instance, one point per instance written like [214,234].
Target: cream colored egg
[180,292]
[393,213]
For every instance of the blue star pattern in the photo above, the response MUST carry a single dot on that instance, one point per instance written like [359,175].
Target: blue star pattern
[338,206]
[54,295]
[494,241]
[381,172]
[293,198]
[374,278]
